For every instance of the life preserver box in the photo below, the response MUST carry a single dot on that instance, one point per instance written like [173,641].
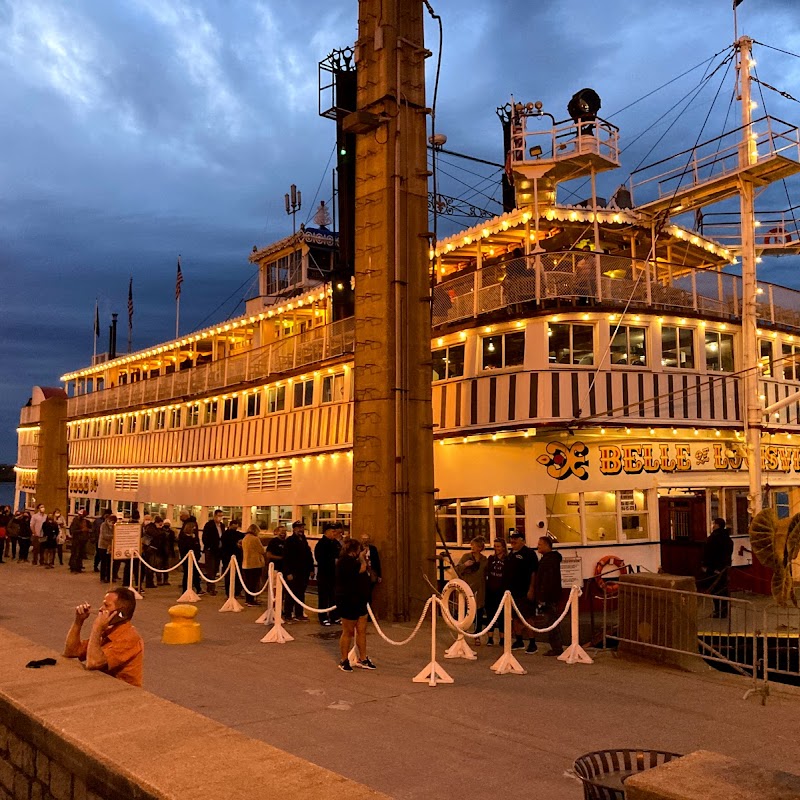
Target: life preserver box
[608,586]
[777,235]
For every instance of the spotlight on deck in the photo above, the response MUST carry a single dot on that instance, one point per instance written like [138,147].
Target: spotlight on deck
[535,151]
[584,105]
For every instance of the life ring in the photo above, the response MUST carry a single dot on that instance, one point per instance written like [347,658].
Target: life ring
[610,588]
[462,587]
[777,235]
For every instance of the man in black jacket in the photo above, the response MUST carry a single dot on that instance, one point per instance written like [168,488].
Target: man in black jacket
[717,559]
[212,541]
[326,553]
[521,566]
[298,566]
[546,591]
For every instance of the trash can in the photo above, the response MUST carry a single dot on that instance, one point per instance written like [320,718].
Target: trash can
[604,772]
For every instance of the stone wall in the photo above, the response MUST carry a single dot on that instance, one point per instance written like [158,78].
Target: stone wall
[69,734]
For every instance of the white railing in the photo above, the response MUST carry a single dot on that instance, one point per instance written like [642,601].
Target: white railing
[292,353]
[563,140]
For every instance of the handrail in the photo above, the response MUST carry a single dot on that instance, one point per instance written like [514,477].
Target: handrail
[285,355]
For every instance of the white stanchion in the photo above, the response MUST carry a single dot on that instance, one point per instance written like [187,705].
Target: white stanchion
[507,663]
[433,673]
[278,634]
[269,615]
[190,596]
[460,648]
[136,594]
[231,604]
[575,654]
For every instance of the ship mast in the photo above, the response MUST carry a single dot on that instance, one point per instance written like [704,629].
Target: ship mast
[748,155]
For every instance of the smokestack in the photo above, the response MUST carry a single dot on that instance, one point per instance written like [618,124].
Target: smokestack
[112,338]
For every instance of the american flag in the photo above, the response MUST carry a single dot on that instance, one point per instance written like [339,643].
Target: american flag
[130,304]
[96,319]
[178,281]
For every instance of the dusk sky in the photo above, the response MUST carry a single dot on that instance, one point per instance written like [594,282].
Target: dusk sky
[136,130]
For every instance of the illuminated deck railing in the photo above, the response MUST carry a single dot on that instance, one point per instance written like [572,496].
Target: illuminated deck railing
[285,356]
[570,278]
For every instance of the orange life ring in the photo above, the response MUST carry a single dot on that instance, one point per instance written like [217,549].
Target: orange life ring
[777,236]
[610,588]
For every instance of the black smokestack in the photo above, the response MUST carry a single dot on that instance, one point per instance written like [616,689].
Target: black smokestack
[112,338]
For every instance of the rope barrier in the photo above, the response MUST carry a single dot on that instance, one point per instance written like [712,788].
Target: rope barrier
[541,630]
[161,571]
[413,633]
[300,602]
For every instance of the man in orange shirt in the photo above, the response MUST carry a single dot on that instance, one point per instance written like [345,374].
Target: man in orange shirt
[114,646]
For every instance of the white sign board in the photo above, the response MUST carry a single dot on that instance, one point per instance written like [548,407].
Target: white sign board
[571,572]
[127,538]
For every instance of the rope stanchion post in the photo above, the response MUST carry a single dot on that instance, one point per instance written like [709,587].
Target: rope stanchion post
[460,648]
[507,663]
[231,604]
[277,633]
[575,654]
[433,672]
[268,617]
[136,594]
[189,596]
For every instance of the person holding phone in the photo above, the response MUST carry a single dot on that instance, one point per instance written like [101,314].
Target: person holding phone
[114,646]
[352,594]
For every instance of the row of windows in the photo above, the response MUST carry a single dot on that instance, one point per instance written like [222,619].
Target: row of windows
[574,344]
[273,400]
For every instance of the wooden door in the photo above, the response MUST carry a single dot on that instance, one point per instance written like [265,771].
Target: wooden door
[682,523]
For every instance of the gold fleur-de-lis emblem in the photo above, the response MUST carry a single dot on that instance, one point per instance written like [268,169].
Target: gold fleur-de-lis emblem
[564,460]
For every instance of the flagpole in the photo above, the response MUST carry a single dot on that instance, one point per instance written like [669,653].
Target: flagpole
[130,314]
[95,330]
[178,282]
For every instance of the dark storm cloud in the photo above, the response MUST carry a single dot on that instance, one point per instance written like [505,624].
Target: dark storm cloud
[134,130]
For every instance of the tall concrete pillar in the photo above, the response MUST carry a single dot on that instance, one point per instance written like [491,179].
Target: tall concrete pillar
[393,445]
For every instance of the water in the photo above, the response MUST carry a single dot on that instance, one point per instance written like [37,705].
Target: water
[6,494]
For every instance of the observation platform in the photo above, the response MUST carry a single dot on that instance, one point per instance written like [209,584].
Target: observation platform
[482,737]
[710,172]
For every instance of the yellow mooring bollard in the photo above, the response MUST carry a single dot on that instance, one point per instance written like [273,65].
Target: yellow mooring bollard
[182,629]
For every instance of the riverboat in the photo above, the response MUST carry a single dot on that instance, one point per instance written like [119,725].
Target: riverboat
[593,371]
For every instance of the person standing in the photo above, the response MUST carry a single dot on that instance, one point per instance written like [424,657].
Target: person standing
[496,585]
[231,545]
[189,541]
[24,521]
[373,564]
[49,543]
[351,593]
[105,541]
[12,532]
[95,537]
[522,565]
[61,539]
[212,542]
[717,560]
[275,547]
[5,518]
[326,554]
[298,566]
[79,529]
[37,521]
[471,568]
[252,563]
[546,591]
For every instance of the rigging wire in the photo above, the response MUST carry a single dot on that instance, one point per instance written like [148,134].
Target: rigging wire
[319,185]
[438,19]
[249,280]
[776,49]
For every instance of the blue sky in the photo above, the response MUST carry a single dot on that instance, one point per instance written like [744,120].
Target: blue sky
[134,131]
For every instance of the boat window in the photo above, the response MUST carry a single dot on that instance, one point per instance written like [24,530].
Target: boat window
[333,388]
[677,347]
[230,408]
[107,427]
[766,357]
[563,516]
[633,513]
[276,399]
[145,423]
[503,350]
[719,351]
[447,519]
[253,406]
[628,346]
[267,517]
[120,426]
[508,512]
[210,412]
[791,362]
[175,418]
[570,343]
[448,362]
[132,423]
[303,393]
[193,414]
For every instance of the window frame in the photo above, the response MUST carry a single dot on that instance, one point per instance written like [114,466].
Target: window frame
[690,332]
[572,324]
[448,361]
[616,330]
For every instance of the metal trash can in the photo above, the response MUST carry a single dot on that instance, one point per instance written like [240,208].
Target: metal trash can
[604,772]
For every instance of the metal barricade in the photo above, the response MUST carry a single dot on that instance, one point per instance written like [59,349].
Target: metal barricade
[781,641]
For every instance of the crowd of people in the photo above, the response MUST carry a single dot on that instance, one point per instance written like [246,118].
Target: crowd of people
[532,576]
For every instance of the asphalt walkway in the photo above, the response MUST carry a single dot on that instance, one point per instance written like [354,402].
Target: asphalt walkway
[485,736]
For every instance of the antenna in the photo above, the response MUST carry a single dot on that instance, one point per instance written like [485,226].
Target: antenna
[294,202]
